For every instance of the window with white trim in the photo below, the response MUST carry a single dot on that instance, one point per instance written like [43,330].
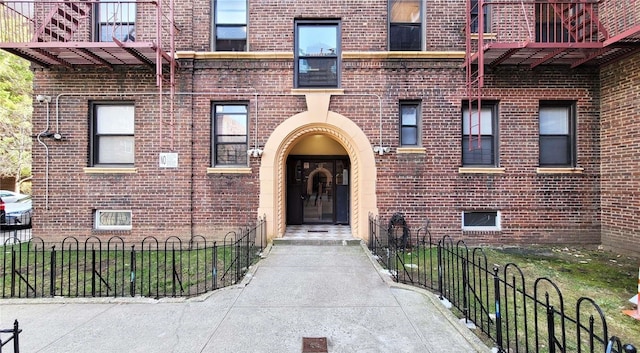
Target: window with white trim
[481,220]
[112,134]
[112,219]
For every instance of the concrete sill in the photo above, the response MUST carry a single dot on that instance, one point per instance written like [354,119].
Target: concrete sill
[305,91]
[411,150]
[560,170]
[480,170]
[346,55]
[108,170]
[235,170]
[485,36]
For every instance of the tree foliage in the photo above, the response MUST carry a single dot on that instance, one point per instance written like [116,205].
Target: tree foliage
[15,117]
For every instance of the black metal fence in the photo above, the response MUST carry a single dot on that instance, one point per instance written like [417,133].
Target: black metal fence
[115,268]
[496,300]
[14,333]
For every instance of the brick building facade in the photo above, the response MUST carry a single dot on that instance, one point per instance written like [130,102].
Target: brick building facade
[361,107]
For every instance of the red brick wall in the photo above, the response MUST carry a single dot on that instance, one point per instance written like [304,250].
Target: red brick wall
[619,15]
[620,150]
[536,208]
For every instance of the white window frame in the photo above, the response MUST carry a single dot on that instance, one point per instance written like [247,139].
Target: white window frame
[98,217]
[496,227]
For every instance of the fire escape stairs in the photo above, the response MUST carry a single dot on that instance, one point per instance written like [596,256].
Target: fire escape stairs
[580,20]
[66,17]
[62,22]
[474,73]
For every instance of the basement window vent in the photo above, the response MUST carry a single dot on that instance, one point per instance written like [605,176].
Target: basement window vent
[112,220]
[481,221]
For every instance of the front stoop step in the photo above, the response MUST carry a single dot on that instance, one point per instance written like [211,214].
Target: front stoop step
[303,241]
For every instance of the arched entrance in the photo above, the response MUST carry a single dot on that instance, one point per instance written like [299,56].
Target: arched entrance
[317,121]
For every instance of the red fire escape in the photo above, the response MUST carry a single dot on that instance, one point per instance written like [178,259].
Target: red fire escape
[82,33]
[531,33]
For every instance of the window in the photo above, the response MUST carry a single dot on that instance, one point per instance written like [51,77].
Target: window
[230,25]
[474,17]
[317,53]
[480,220]
[479,135]
[113,142]
[557,134]
[229,134]
[405,25]
[112,219]
[116,20]
[410,123]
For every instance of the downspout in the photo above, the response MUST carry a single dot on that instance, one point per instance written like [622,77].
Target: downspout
[193,176]
[255,127]
[46,100]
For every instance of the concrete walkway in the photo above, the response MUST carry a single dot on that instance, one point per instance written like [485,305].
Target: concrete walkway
[296,292]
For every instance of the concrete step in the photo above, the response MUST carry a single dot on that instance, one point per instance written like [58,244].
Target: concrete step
[316,241]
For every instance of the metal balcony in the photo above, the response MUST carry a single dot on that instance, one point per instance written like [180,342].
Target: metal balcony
[552,32]
[78,32]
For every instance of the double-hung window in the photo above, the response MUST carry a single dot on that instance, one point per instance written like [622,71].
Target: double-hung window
[113,127]
[230,25]
[116,20]
[405,25]
[480,135]
[557,134]
[229,131]
[409,123]
[475,10]
[317,54]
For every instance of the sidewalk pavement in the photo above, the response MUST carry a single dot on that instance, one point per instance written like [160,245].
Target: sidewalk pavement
[337,292]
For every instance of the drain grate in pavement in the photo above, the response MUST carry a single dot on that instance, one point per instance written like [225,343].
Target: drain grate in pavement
[314,345]
[317,231]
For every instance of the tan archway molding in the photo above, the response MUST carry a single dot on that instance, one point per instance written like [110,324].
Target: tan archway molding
[317,120]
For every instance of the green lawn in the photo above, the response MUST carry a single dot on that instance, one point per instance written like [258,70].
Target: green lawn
[607,278]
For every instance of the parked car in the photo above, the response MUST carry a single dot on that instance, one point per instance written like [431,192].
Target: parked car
[2,212]
[18,214]
[10,196]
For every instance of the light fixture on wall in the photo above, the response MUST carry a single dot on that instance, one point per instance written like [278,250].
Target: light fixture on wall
[381,150]
[41,98]
[254,152]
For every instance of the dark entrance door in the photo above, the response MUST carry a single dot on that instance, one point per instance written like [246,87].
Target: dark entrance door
[317,190]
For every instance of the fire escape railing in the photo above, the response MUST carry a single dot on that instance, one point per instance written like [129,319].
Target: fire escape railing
[548,29]
[74,33]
